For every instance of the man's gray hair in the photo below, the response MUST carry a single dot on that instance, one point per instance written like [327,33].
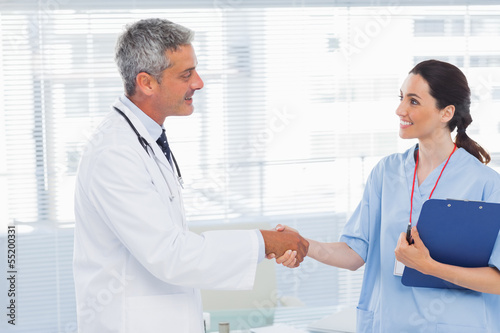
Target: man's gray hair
[142,47]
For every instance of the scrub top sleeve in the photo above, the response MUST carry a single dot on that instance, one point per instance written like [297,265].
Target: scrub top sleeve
[356,233]
[494,196]
[353,234]
[495,255]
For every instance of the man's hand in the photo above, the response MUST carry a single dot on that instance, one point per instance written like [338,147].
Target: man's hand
[278,242]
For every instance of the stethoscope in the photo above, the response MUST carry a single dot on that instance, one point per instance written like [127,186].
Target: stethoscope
[147,147]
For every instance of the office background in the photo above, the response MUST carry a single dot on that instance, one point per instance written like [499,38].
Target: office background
[298,106]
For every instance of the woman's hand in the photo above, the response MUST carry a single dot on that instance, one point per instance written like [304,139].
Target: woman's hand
[414,255]
[289,258]
[280,227]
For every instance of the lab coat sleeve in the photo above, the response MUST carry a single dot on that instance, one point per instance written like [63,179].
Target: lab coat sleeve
[123,193]
[359,227]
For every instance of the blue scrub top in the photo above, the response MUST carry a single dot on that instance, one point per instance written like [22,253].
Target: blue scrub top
[385,304]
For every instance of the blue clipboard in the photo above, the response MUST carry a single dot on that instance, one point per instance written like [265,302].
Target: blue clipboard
[456,232]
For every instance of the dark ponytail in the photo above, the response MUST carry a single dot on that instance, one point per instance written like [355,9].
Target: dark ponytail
[448,85]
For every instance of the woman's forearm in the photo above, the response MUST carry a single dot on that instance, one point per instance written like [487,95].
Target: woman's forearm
[417,256]
[337,254]
[482,279]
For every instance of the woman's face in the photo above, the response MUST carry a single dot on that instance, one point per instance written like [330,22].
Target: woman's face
[418,114]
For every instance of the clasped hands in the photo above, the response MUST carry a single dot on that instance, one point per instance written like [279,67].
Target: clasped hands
[286,245]
[414,256]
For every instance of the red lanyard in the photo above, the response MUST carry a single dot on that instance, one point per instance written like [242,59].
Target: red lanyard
[437,181]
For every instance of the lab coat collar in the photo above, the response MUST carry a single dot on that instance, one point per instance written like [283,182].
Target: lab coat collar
[151,126]
[160,157]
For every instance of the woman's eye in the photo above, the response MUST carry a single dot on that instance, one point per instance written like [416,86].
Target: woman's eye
[400,97]
[414,101]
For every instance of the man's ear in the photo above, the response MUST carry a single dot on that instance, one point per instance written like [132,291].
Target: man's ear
[145,83]
[448,113]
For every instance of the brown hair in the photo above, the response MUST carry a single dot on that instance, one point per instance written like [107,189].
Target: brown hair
[448,85]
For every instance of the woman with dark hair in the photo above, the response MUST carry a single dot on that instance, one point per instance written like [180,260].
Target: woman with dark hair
[435,100]
[449,87]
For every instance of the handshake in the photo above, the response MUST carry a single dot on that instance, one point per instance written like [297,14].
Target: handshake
[279,241]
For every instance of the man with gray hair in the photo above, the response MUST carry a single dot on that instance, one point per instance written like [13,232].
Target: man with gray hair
[137,267]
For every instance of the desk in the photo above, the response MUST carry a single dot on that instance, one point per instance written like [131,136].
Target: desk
[241,321]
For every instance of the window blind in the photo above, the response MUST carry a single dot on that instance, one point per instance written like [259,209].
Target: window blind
[297,108]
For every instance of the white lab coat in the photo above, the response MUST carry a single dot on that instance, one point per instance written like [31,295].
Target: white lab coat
[137,268]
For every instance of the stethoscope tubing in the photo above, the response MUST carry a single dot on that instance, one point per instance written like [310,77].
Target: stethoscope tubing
[145,144]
